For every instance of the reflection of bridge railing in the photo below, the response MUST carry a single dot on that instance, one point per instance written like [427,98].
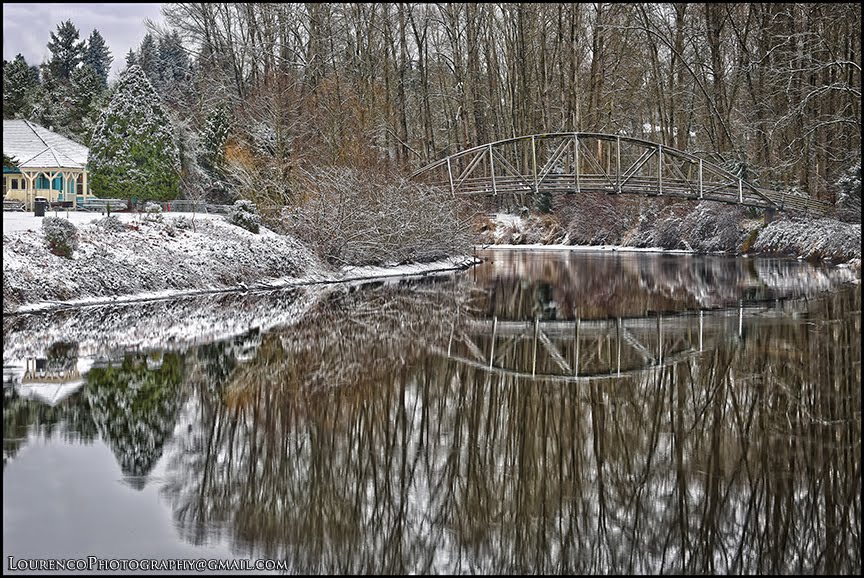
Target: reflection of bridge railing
[589,349]
[595,162]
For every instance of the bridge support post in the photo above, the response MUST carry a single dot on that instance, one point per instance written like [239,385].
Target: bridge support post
[701,188]
[534,163]
[576,149]
[492,170]
[450,174]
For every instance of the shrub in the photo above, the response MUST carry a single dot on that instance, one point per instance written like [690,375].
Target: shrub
[110,223]
[152,211]
[182,222]
[60,235]
[826,239]
[849,195]
[595,218]
[709,228]
[244,214]
[351,216]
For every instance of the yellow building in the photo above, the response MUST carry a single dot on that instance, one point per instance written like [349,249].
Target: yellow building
[47,165]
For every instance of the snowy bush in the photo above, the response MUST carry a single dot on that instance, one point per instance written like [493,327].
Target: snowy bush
[710,227]
[849,195]
[182,222]
[358,217]
[152,211]
[110,223]
[596,219]
[827,239]
[244,214]
[60,235]
[668,233]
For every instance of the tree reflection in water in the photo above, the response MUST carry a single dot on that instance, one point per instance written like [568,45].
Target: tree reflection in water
[344,446]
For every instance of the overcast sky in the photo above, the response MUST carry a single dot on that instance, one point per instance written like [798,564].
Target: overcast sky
[27,27]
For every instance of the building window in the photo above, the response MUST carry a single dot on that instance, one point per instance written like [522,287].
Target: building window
[14,184]
[80,185]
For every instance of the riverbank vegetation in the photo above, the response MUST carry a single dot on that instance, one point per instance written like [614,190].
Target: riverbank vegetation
[706,227]
[267,102]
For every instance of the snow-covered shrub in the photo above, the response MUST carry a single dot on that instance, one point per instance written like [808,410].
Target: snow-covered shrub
[364,217]
[60,235]
[711,227]
[595,219]
[668,233]
[849,195]
[526,229]
[152,211]
[244,214]
[110,223]
[182,222]
[827,239]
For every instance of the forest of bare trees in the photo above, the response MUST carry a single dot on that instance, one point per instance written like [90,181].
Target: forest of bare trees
[772,91]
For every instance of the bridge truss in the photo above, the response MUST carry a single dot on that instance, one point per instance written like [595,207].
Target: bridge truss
[576,162]
[582,350]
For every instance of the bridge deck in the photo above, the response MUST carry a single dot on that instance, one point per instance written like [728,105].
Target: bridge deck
[572,163]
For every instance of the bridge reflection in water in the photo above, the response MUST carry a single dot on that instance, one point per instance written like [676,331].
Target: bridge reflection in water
[582,350]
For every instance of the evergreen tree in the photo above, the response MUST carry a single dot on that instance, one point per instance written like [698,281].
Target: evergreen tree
[131,58]
[133,152]
[18,88]
[97,55]
[174,69]
[66,50]
[214,135]
[148,60]
[86,87]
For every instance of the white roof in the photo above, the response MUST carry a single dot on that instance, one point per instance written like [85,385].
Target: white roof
[49,393]
[34,146]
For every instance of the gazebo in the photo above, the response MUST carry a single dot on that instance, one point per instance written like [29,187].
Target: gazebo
[47,165]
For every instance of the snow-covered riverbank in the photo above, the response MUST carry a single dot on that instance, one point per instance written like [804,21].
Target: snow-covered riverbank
[827,240]
[151,260]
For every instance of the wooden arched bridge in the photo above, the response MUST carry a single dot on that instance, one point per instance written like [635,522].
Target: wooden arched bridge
[575,162]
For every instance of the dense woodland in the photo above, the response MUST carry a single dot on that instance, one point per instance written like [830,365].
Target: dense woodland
[260,94]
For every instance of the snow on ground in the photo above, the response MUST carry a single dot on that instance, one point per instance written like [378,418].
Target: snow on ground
[177,321]
[145,256]
[23,221]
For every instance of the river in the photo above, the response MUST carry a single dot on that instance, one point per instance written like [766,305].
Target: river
[544,412]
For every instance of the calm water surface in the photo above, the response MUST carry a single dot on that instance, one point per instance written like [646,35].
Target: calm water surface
[546,412]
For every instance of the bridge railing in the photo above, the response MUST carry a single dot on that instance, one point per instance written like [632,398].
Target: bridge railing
[596,162]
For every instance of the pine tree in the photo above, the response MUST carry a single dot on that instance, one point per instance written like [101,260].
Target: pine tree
[214,135]
[86,87]
[131,58]
[97,55]
[66,51]
[174,69]
[18,87]
[148,60]
[133,152]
